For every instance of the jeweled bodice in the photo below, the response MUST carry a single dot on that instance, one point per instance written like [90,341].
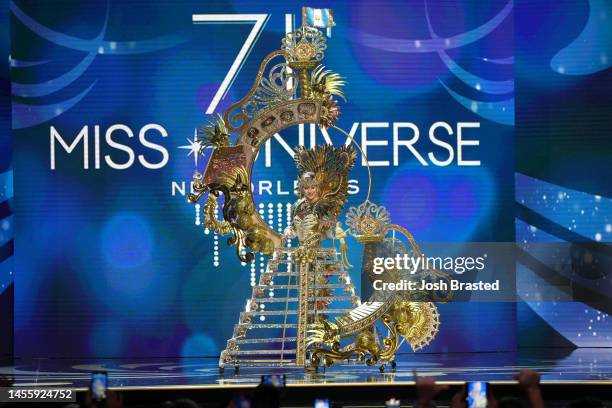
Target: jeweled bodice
[306,226]
[305,223]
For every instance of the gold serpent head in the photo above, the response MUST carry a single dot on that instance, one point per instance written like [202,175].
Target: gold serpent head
[417,322]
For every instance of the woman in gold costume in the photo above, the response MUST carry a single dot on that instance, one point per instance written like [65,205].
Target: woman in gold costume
[308,223]
[322,189]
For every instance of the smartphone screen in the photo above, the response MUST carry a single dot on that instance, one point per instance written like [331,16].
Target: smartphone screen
[99,382]
[476,394]
[275,380]
[321,403]
[392,402]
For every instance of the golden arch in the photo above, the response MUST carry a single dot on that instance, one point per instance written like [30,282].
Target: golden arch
[270,106]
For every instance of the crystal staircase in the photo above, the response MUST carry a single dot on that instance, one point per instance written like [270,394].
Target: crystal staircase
[273,326]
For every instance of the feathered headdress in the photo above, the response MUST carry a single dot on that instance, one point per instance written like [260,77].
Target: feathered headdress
[330,166]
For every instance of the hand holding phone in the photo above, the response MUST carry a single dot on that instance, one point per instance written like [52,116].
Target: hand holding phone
[99,382]
[476,394]
[276,380]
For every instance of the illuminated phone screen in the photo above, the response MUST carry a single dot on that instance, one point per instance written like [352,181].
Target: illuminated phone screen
[476,394]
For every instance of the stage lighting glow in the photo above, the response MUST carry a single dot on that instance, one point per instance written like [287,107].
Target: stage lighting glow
[126,241]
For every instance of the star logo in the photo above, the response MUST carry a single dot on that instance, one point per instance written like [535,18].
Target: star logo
[194,147]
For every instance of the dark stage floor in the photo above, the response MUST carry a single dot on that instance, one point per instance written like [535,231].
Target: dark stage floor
[589,365]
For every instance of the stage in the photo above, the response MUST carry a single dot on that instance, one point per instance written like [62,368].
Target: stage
[586,365]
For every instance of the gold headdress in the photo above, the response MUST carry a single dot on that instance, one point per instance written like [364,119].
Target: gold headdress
[330,167]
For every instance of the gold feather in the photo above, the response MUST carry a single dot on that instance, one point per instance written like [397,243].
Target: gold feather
[215,134]
[326,82]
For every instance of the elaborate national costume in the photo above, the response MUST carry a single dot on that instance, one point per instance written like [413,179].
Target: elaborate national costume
[304,310]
